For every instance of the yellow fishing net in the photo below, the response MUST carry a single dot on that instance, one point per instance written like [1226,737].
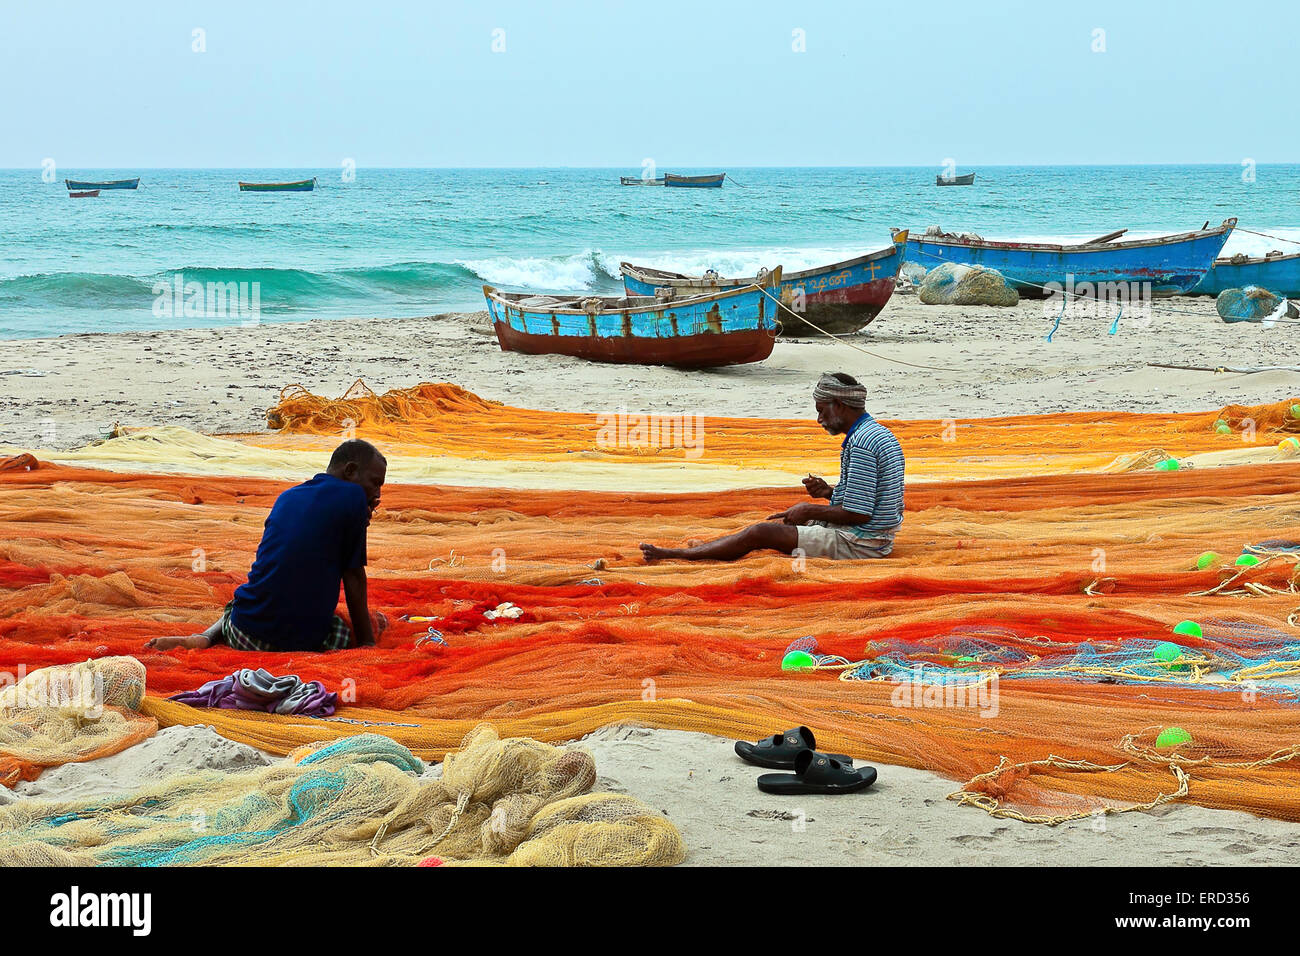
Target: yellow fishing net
[71,713]
[360,800]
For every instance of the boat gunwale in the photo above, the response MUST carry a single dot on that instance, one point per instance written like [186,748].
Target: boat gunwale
[772,280]
[1256,260]
[1171,239]
[676,280]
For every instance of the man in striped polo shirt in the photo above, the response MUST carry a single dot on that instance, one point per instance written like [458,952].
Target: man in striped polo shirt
[866,504]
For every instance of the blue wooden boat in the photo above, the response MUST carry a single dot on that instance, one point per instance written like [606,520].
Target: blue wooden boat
[81,186]
[730,327]
[1277,272]
[841,298]
[1171,264]
[712,181]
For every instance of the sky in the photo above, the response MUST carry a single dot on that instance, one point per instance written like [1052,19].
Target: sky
[686,83]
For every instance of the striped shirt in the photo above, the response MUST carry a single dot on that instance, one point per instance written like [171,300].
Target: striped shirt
[871,478]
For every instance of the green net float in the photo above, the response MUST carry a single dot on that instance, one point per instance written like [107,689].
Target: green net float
[1173,737]
[798,661]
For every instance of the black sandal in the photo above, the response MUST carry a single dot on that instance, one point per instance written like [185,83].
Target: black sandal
[778,751]
[818,773]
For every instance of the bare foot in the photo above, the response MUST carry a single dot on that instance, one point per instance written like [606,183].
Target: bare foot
[194,641]
[380,623]
[652,553]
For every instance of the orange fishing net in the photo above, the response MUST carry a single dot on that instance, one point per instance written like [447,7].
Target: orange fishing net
[444,419]
[1060,586]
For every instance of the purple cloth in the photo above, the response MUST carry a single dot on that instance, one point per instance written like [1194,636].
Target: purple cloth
[249,689]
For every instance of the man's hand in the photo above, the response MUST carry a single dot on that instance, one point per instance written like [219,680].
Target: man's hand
[798,514]
[817,487]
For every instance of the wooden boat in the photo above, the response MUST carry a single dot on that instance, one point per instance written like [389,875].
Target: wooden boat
[730,327]
[88,194]
[712,181]
[299,186]
[1171,264]
[80,186]
[1278,272]
[638,181]
[840,298]
[965,180]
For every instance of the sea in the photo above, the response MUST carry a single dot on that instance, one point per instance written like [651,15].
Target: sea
[415,242]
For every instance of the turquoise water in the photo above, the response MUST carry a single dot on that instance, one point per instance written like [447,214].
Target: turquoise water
[411,242]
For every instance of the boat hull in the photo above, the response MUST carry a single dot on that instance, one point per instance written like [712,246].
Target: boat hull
[841,298]
[965,180]
[79,186]
[1171,264]
[1279,275]
[694,182]
[634,181]
[735,327]
[305,186]
[88,194]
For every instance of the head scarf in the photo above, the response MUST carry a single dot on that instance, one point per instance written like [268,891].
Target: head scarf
[831,389]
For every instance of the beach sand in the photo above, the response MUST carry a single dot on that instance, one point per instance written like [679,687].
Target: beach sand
[699,784]
[985,362]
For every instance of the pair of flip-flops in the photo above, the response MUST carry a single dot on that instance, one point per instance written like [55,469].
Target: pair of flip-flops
[814,772]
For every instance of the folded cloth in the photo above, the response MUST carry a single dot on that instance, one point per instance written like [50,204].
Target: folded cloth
[248,689]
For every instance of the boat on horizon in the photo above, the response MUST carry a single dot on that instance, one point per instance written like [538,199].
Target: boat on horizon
[965,180]
[297,186]
[730,327]
[1276,271]
[85,186]
[87,194]
[638,181]
[1171,264]
[711,181]
[839,299]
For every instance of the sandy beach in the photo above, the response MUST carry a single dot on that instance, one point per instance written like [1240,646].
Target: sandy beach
[981,362]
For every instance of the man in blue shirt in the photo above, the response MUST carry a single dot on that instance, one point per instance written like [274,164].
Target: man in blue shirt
[866,505]
[314,539]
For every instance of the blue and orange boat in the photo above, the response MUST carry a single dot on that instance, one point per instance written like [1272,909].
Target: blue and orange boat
[1278,272]
[838,299]
[1171,264]
[730,327]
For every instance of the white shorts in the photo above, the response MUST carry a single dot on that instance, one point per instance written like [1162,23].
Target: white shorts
[818,540]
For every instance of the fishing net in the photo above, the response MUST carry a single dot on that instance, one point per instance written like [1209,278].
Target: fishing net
[71,713]
[360,800]
[442,434]
[1055,590]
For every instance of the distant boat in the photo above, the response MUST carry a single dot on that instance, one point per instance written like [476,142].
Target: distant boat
[637,181]
[712,181]
[87,194]
[840,298]
[966,180]
[1171,264]
[731,327]
[111,184]
[1277,272]
[298,186]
